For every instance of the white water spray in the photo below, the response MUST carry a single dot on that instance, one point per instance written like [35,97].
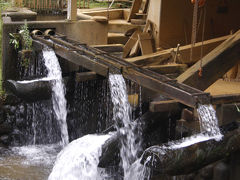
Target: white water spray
[79,159]
[121,115]
[209,121]
[58,91]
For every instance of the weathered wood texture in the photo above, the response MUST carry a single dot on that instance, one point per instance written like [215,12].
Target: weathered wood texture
[168,68]
[145,41]
[184,52]
[190,158]
[86,76]
[164,106]
[101,63]
[171,105]
[109,47]
[214,65]
[130,43]
[134,9]
[154,16]
[30,90]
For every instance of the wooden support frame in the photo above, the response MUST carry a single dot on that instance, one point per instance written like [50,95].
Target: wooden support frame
[159,106]
[134,9]
[214,65]
[184,51]
[101,63]
[87,76]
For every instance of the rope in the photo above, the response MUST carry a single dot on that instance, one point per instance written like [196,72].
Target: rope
[194,27]
[203,32]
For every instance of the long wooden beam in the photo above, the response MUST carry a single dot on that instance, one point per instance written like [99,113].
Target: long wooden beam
[86,76]
[102,63]
[184,51]
[169,105]
[186,159]
[74,57]
[214,65]
[167,68]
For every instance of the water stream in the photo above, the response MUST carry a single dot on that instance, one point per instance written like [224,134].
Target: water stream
[131,144]
[79,159]
[58,91]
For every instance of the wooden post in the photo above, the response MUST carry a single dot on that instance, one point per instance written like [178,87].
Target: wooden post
[72,10]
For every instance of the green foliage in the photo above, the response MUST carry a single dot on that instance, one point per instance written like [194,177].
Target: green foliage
[25,62]
[26,38]
[14,40]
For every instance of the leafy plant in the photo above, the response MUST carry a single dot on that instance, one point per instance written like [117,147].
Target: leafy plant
[26,38]
[25,62]
[14,40]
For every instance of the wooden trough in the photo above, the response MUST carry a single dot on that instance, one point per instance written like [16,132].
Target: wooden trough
[103,64]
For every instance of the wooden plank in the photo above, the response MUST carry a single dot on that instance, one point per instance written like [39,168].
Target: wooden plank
[109,47]
[135,50]
[117,38]
[168,68]
[130,43]
[157,106]
[226,99]
[181,94]
[184,51]
[164,106]
[145,6]
[134,9]
[86,76]
[188,159]
[145,42]
[101,63]
[78,59]
[214,65]
[154,15]
[138,21]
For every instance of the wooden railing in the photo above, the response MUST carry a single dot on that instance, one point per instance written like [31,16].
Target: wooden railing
[49,4]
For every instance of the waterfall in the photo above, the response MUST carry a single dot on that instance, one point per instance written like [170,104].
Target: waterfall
[130,145]
[79,159]
[208,121]
[58,91]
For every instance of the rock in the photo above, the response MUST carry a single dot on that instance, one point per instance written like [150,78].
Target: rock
[21,109]
[5,139]
[10,110]
[19,122]
[1,116]
[5,128]
[11,99]
[235,166]
[207,172]
[221,171]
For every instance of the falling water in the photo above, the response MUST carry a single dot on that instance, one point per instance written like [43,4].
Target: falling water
[58,91]
[209,121]
[131,144]
[79,160]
